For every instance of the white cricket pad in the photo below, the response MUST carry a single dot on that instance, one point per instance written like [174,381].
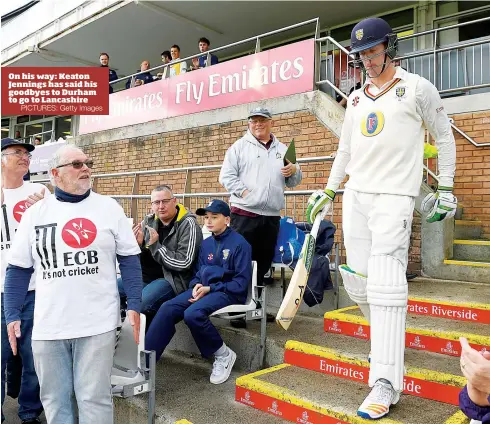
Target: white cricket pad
[355,286]
[387,295]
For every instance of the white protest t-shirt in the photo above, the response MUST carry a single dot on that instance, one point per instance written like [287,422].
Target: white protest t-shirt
[13,209]
[74,247]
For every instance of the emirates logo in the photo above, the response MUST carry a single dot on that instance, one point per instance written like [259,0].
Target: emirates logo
[79,233]
[19,209]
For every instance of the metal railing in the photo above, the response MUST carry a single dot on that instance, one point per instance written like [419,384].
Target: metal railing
[461,67]
[165,68]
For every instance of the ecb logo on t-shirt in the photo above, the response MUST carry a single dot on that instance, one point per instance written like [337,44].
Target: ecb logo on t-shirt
[373,124]
[79,233]
[19,209]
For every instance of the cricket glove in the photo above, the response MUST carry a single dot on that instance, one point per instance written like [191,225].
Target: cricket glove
[319,200]
[440,205]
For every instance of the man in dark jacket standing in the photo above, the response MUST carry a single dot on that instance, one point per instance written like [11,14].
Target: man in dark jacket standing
[170,239]
[104,63]
[223,274]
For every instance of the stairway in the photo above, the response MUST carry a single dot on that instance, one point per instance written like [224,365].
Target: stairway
[324,379]
[471,253]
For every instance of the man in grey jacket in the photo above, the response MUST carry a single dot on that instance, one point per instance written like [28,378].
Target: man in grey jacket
[254,173]
[170,239]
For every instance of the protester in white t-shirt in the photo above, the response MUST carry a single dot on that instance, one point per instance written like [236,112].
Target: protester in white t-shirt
[17,196]
[72,239]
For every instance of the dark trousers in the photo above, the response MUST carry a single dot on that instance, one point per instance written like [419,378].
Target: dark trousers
[29,402]
[261,233]
[195,315]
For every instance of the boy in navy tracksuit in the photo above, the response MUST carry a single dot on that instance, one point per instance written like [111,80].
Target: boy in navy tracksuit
[224,272]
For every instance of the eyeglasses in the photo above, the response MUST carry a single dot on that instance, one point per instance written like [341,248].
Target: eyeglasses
[77,164]
[19,153]
[258,121]
[164,202]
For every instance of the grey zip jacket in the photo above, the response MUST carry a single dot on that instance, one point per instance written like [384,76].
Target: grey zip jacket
[179,251]
[248,165]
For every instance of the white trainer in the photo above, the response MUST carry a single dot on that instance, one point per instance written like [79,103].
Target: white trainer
[222,367]
[378,402]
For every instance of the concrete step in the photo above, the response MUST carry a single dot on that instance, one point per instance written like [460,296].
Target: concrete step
[465,229]
[476,271]
[183,391]
[307,397]
[428,384]
[457,300]
[471,250]
[437,335]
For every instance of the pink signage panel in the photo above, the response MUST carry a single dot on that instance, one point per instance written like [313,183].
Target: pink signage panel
[274,73]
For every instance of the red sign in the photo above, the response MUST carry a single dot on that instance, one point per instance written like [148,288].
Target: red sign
[274,73]
[437,344]
[458,313]
[411,385]
[55,91]
[279,408]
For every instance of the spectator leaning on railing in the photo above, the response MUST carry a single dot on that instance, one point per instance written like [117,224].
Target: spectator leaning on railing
[177,68]
[144,78]
[200,62]
[104,63]
[72,239]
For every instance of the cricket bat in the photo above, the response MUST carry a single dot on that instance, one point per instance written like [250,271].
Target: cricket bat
[297,285]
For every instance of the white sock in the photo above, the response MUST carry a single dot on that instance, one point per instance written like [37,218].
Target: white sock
[222,351]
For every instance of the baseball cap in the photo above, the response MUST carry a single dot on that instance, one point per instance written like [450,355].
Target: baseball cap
[215,206]
[7,142]
[260,111]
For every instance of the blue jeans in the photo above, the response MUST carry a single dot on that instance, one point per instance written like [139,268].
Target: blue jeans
[195,315]
[29,403]
[76,368]
[153,295]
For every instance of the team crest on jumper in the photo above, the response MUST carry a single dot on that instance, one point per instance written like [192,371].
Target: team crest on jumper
[373,124]
[355,101]
[210,257]
[278,155]
[400,92]
[226,252]
[359,34]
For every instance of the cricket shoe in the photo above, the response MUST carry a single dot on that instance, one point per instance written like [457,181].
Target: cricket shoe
[222,367]
[378,402]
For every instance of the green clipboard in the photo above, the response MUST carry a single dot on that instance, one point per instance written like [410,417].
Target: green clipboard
[290,153]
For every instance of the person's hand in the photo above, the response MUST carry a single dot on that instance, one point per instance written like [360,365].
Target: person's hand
[288,170]
[200,292]
[195,289]
[245,193]
[13,331]
[319,200]
[440,205]
[160,75]
[138,82]
[153,235]
[36,197]
[476,368]
[195,62]
[138,233]
[134,320]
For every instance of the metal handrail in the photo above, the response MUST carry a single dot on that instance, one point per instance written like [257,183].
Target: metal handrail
[255,38]
[467,136]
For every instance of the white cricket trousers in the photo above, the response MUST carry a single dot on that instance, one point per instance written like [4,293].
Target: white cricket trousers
[376,224]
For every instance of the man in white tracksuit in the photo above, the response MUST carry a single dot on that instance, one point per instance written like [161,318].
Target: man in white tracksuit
[381,148]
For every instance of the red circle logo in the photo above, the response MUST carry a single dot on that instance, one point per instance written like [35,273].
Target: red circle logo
[79,233]
[19,209]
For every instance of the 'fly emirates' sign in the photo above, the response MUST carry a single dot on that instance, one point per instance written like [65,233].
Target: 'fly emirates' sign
[278,72]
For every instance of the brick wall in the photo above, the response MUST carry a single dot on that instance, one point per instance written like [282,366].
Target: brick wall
[472,182]
[207,146]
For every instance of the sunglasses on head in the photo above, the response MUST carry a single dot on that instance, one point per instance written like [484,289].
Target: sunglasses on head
[78,164]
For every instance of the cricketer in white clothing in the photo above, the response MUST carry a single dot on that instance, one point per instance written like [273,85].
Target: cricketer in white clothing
[381,148]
